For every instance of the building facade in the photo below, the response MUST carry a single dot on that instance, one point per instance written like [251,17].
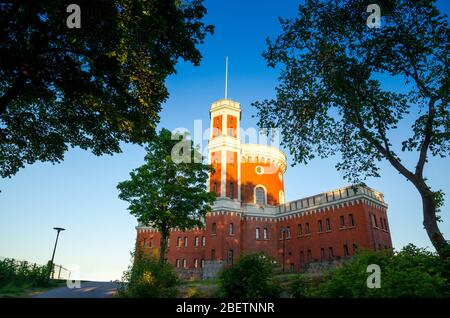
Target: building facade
[250,213]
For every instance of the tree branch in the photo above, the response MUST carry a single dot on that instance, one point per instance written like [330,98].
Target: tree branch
[12,92]
[426,140]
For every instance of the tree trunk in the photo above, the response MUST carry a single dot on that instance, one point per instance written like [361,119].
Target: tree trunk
[163,246]
[430,221]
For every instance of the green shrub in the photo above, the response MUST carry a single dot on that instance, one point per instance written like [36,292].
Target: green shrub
[148,278]
[413,272]
[250,277]
[21,273]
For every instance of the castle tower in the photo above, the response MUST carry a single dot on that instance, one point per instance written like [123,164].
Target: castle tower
[224,149]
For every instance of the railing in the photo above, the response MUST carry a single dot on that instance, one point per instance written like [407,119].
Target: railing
[58,271]
[331,196]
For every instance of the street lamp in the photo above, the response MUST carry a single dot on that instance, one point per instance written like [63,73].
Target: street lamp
[283,236]
[58,229]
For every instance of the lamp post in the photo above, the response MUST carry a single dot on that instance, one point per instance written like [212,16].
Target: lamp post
[58,229]
[283,236]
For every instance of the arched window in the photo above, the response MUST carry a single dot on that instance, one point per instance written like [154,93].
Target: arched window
[281,197]
[230,229]
[260,196]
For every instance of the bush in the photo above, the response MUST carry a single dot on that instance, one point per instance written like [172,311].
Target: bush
[22,273]
[413,272]
[148,278]
[250,277]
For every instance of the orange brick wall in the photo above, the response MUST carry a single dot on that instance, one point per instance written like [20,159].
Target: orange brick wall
[215,177]
[250,179]
[232,174]
[231,126]
[217,126]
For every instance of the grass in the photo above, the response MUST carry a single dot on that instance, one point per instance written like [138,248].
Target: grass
[25,291]
[199,288]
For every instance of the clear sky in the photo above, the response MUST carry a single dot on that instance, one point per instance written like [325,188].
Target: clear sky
[80,193]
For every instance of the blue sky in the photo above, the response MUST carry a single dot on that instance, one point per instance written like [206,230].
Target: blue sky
[80,193]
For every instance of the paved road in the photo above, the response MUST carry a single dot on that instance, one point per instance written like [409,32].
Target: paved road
[87,290]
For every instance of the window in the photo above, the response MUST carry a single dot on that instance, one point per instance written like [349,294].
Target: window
[213,229]
[300,231]
[213,254]
[381,223]
[330,252]
[374,221]
[144,243]
[195,262]
[341,221]
[202,263]
[231,190]
[178,263]
[385,224]
[179,241]
[320,226]
[285,233]
[309,256]
[355,247]
[257,233]
[328,224]
[266,233]
[184,263]
[151,243]
[215,187]
[302,259]
[230,229]
[203,240]
[307,228]
[260,196]
[230,257]
[345,250]
[259,170]
[196,241]
[352,220]
[185,241]
[281,197]
[322,254]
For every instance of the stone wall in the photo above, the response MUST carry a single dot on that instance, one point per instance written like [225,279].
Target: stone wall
[212,268]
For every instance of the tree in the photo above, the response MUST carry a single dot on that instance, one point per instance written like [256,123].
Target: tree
[170,190]
[147,277]
[333,98]
[411,273]
[93,86]
[250,277]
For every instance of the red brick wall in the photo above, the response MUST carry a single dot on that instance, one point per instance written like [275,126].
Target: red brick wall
[243,239]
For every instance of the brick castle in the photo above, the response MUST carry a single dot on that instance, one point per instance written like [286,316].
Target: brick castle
[250,213]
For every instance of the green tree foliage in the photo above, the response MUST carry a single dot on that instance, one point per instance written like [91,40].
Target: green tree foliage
[333,95]
[250,277]
[413,272]
[148,278]
[90,87]
[170,190]
[21,273]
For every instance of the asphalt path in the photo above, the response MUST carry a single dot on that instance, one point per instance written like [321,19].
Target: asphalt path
[87,290]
